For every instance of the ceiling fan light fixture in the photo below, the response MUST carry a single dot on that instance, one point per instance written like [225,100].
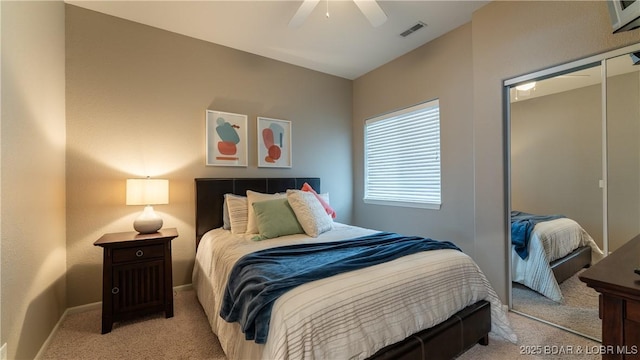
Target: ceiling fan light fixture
[372,11]
[369,8]
[303,12]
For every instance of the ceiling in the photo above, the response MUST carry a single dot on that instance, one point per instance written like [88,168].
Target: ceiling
[344,44]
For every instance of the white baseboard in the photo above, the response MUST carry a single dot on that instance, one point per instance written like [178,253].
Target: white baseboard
[183,287]
[55,328]
[83,308]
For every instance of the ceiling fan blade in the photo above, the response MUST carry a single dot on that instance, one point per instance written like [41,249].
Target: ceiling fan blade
[372,11]
[303,13]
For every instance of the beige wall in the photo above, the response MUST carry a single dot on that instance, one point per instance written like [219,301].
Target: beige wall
[440,69]
[33,174]
[2,341]
[136,101]
[623,177]
[512,38]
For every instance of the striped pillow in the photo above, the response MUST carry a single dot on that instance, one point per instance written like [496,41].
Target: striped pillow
[238,212]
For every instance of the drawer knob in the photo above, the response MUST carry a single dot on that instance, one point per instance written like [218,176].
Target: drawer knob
[115,290]
[139,253]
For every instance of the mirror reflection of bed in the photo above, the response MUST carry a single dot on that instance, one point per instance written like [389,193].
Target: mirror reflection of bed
[545,282]
[573,186]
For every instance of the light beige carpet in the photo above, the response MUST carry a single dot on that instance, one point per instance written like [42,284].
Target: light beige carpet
[536,340]
[578,312]
[188,336]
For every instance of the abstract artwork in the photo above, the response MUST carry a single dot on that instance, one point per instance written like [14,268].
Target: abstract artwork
[226,139]
[274,143]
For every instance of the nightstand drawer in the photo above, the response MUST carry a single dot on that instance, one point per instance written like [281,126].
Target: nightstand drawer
[138,253]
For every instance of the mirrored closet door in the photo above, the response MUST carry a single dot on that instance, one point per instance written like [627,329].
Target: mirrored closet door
[574,181]
[623,148]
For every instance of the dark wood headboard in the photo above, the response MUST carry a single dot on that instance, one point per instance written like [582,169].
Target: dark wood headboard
[210,196]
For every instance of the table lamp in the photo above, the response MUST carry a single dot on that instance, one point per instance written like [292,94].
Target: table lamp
[147,192]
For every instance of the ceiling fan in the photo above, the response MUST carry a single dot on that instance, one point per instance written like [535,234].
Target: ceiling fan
[369,8]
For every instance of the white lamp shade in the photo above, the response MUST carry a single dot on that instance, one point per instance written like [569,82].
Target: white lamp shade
[147,191]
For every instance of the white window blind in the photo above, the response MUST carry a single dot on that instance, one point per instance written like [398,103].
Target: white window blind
[402,157]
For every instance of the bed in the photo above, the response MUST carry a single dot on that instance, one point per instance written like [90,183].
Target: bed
[381,312]
[558,248]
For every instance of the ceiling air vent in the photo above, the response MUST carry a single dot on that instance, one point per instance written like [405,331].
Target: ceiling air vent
[413,29]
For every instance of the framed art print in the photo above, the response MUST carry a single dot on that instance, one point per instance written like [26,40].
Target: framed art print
[274,143]
[226,139]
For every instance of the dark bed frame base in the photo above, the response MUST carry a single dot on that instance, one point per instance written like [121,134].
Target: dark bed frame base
[446,340]
[567,266]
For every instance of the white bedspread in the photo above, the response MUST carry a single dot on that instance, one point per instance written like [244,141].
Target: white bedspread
[347,316]
[550,240]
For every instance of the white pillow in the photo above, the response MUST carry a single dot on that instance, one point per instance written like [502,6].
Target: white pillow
[253,196]
[237,208]
[310,213]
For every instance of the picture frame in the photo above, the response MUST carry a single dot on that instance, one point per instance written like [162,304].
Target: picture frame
[227,141]
[274,143]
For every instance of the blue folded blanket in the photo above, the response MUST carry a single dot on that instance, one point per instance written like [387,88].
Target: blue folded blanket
[259,278]
[522,225]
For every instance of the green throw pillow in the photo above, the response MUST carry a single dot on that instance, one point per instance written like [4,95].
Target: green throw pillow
[275,218]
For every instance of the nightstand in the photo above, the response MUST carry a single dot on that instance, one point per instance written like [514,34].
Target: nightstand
[136,275]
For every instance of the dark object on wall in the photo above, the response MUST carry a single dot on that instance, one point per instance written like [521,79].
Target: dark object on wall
[625,14]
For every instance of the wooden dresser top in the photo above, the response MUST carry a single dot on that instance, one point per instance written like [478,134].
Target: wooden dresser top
[614,274]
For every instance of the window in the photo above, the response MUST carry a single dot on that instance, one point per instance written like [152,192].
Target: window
[402,157]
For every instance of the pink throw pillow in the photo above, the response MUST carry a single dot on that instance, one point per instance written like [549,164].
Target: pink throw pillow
[325,205]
